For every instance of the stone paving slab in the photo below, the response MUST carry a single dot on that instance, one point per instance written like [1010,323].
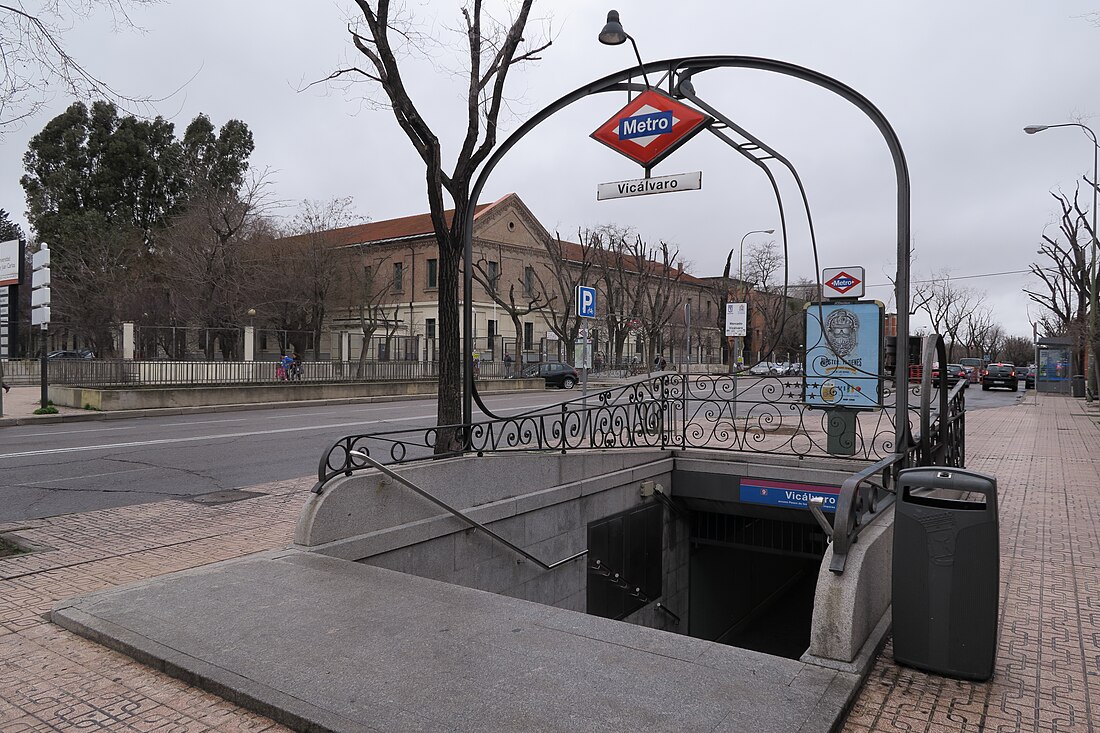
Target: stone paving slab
[317,642]
[1046,457]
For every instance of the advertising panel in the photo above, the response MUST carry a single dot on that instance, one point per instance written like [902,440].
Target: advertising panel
[844,346]
[9,263]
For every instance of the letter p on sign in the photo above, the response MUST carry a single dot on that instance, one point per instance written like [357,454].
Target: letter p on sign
[586,301]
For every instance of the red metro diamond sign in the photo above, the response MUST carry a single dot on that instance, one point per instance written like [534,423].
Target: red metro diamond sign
[843,282]
[650,127]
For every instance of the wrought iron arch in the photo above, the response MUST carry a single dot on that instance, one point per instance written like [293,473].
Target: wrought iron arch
[678,74]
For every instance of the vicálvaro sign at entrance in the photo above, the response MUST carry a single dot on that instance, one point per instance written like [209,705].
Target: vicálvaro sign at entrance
[645,186]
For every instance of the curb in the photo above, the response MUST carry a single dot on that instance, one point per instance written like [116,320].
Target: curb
[98,416]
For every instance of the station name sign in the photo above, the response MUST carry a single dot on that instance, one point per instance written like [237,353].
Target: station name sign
[646,186]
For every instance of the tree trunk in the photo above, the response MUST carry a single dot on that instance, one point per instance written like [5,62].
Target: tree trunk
[449,401]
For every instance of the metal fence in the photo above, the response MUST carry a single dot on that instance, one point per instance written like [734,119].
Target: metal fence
[120,372]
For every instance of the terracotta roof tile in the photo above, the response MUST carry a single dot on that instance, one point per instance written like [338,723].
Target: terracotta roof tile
[378,231]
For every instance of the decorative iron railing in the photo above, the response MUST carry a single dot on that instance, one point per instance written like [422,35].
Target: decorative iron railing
[673,411]
[667,411]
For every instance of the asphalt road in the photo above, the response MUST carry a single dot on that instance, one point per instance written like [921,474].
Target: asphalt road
[52,469]
[46,470]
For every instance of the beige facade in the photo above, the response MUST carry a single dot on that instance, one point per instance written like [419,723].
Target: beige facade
[399,262]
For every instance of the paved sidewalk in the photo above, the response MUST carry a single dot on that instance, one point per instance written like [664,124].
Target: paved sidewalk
[1046,458]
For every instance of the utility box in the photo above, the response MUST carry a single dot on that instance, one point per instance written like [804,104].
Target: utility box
[946,572]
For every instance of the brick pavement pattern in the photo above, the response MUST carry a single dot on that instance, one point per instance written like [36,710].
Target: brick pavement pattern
[1046,458]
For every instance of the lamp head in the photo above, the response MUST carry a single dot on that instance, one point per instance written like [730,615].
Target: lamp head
[613,33]
[1032,129]
[769,231]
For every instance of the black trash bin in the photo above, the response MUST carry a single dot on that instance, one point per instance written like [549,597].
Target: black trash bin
[1077,385]
[946,572]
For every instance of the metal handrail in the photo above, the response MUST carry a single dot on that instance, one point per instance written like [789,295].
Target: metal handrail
[472,522]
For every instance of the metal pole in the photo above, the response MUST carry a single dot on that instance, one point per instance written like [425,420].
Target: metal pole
[1090,331]
[1035,344]
[687,336]
[1091,393]
[44,379]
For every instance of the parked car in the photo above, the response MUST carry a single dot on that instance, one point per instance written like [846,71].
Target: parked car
[556,375]
[1000,375]
[767,368]
[1029,378]
[67,354]
[955,373]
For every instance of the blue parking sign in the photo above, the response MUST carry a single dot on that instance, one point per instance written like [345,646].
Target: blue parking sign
[586,301]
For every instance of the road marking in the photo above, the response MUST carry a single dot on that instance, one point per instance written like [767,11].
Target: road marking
[193,439]
[201,422]
[222,436]
[71,432]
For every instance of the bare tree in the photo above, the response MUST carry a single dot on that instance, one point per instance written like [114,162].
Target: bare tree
[493,48]
[1064,276]
[210,265]
[569,265]
[99,279]
[662,296]
[616,252]
[947,305]
[34,58]
[368,302]
[310,276]
[771,299]
[1016,350]
[521,300]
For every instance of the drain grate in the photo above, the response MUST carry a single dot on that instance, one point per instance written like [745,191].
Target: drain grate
[224,497]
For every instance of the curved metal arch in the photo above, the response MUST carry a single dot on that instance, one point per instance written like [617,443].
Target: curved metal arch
[679,72]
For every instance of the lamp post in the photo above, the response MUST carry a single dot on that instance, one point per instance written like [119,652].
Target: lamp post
[738,345]
[614,35]
[1090,333]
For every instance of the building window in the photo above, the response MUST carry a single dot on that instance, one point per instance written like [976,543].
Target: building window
[433,273]
[528,336]
[398,277]
[429,327]
[708,309]
[529,282]
[492,272]
[492,330]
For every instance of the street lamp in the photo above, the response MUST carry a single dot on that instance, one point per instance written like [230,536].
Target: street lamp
[614,35]
[740,279]
[1090,333]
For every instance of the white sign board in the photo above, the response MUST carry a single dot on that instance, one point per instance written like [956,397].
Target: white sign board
[582,354]
[40,281]
[737,319]
[842,282]
[646,186]
[9,263]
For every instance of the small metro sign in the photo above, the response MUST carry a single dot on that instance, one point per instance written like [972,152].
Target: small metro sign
[843,282]
[650,127]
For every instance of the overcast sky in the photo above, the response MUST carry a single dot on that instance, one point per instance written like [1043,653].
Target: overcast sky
[957,80]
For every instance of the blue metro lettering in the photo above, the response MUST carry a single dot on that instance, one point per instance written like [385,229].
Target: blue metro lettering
[655,123]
